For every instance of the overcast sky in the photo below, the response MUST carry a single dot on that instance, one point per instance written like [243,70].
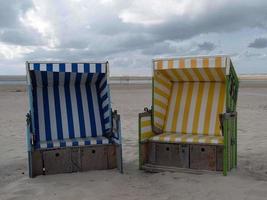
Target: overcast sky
[130,33]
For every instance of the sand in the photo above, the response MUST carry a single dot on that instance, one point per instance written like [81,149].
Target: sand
[249,181]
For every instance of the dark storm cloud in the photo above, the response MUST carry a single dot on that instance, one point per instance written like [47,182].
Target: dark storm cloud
[259,43]
[206,46]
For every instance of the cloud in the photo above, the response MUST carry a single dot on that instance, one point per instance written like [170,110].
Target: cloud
[84,30]
[207,46]
[259,43]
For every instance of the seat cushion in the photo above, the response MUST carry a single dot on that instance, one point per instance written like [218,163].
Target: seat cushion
[187,138]
[73,142]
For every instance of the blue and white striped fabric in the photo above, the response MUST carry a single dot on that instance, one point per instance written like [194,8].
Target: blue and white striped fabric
[71,104]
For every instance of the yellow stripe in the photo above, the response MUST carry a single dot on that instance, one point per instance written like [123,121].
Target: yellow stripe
[187,107]
[197,109]
[208,109]
[160,104]
[165,74]
[206,69]
[145,123]
[160,92]
[159,64]
[163,82]
[177,75]
[159,115]
[181,63]
[187,74]
[218,62]
[170,64]
[220,108]
[199,76]
[220,73]
[146,135]
[177,106]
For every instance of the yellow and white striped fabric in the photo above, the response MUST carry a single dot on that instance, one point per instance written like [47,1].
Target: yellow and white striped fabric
[194,107]
[189,95]
[187,138]
[194,69]
[145,128]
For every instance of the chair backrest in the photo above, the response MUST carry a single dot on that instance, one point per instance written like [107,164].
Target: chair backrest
[69,100]
[189,94]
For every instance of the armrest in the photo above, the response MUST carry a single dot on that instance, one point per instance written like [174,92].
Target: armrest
[116,127]
[145,125]
[30,135]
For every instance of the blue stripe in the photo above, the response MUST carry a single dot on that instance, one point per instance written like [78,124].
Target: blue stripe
[68,105]
[74,67]
[35,111]
[36,66]
[106,121]
[62,67]
[49,67]
[62,144]
[106,108]
[98,67]
[91,110]
[103,98]
[103,86]
[80,105]
[87,142]
[46,108]
[86,67]
[57,106]
[100,104]
[75,143]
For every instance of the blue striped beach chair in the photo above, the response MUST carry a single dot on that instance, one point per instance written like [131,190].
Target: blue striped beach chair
[70,124]
[193,121]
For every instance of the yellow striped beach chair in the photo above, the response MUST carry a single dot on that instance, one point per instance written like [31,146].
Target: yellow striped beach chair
[193,120]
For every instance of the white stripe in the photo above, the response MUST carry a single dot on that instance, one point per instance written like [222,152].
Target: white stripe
[203,74]
[161,87]
[169,118]
[145,129]
[80,67]
[160,98]
[182,107]
[68,67]
[160,109]
[75,114]
[52,110]
[43,67]
[145,119]
[63,107]
[56,67]
[31,66]
[92,68]
[96,110]
[199,63]
[173,77]
[165,64]
[104,79]
[182,74]
[103,92]
[192,107]
[214,109]
[187,63]
[56,143]
[87,122]
[215,74]
[103,68]
[39,93]
[193,74]
[203,108]
[107,125]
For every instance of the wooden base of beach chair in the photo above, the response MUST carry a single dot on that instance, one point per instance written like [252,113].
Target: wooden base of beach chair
[73,159]
[190,156]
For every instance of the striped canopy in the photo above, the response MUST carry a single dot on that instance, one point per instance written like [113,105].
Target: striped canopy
[70,103]
[189,94]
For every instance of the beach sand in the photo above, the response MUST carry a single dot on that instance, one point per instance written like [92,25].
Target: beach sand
[248,181]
